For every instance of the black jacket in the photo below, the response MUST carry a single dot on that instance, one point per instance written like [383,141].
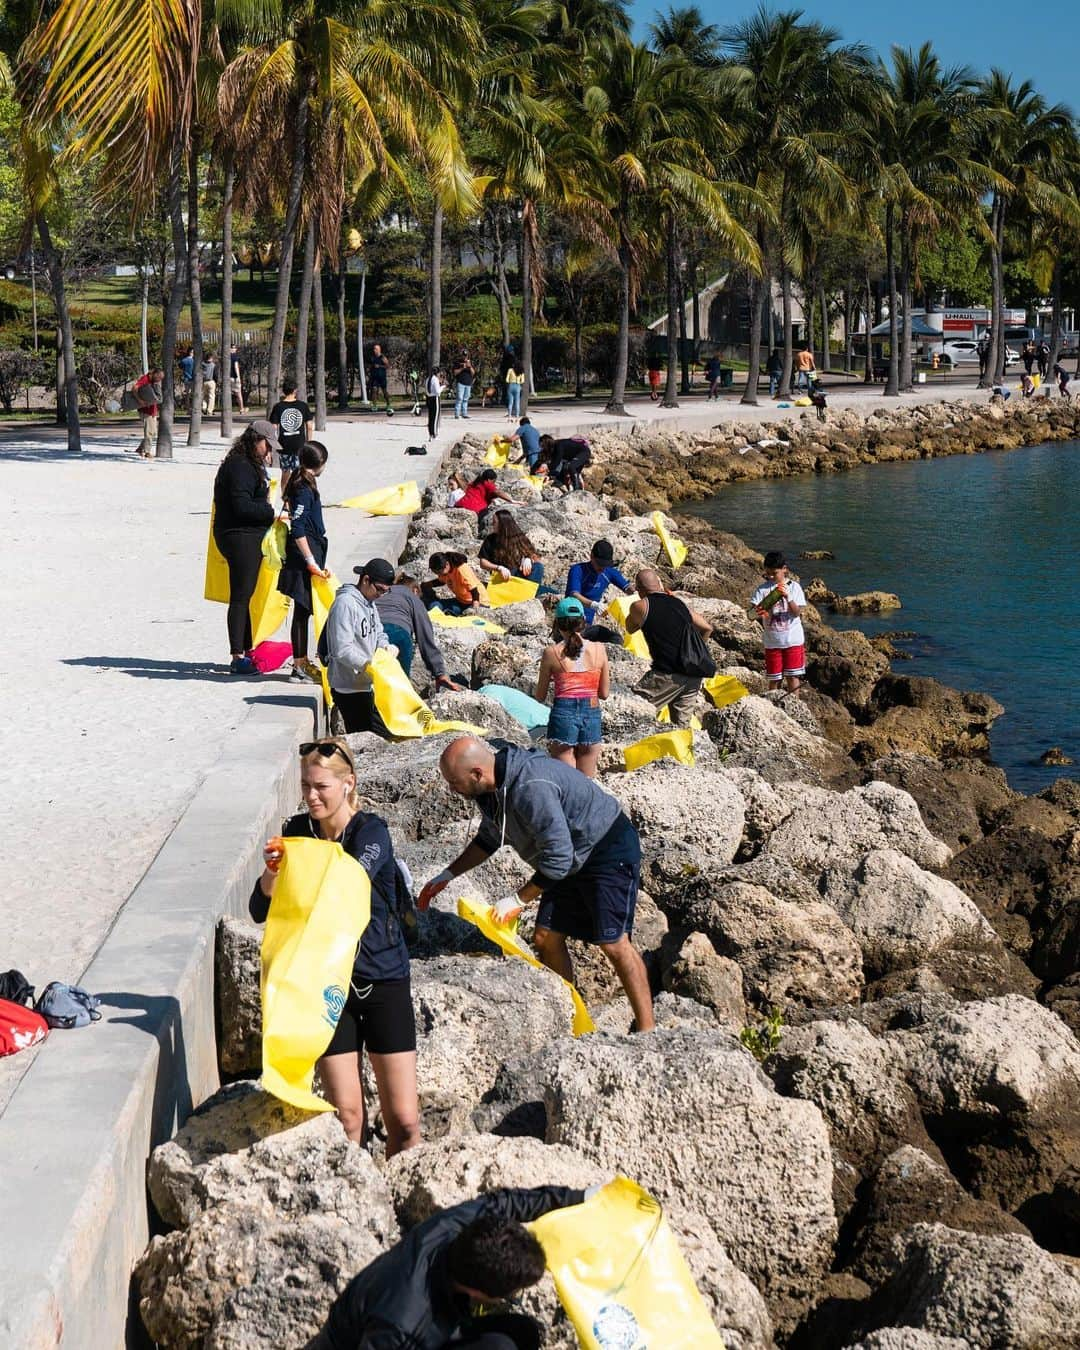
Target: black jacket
[241,497]
[404,1300]
[382,953]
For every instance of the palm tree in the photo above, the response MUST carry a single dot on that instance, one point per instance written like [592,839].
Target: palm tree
[1020,138]
[686,31]
[644,108]
[1052,232]
[804,100]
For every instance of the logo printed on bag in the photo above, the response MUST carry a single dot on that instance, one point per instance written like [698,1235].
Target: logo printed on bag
[334,998]
[616,1328]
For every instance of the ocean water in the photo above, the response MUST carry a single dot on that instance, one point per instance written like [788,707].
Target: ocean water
[984,553]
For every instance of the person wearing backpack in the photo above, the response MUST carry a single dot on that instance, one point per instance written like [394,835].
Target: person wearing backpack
[378,1013]
[675,636]
[209,384]
[147,391]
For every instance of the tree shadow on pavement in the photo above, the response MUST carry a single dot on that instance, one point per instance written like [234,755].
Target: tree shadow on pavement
[146,668]
[45,454]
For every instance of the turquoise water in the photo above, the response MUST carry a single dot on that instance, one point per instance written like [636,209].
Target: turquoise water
[982,550]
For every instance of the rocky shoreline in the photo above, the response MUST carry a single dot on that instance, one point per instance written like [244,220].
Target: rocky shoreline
[841,882]
[655,467]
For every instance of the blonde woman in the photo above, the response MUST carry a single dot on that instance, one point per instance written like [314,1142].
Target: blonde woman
[378,1012]
[579,671]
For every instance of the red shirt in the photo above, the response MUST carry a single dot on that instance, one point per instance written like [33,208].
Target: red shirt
[145,409]
[478,497]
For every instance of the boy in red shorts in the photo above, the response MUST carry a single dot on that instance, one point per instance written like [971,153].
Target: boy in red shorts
[778,602]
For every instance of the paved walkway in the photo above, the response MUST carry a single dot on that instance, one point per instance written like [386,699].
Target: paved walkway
[117,698]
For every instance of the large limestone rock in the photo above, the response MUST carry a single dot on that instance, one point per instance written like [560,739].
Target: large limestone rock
[401,782]
[919,715]
[500,661]
[682,814]
[526,617]
[902,914]
[789,952]
[239,1008]
[695,970]
[468,1011]
[908,1188]
[995,1293]
[845,666]
[845,828]
[759,733]
[956,798]
[631,1104]
[908,1338]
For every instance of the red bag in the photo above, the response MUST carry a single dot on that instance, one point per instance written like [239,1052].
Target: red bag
[19,1027]
[270,656]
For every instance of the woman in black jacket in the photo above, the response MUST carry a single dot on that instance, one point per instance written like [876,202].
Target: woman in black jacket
[242,515]
[378,1012]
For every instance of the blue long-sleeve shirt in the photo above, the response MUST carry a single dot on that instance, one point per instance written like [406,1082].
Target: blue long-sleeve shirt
[584,579]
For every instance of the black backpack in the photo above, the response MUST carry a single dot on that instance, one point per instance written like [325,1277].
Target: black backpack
[16,988]
[694,658]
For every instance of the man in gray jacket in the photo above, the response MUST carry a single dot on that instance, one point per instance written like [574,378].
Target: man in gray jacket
[585,853]
[352,635]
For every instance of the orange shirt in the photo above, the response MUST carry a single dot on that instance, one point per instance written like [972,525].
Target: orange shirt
[463,581]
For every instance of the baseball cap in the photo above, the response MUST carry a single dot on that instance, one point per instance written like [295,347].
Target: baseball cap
[378,569]
[570,607]
[267,430]
[603,551]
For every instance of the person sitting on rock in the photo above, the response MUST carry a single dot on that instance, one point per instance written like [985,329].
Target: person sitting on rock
[579,671]
[778,602]
[585,853]
[508,550]
[674,634]
[453,571]
[420,1293]
[481,492]
[378,1012]
[589,582]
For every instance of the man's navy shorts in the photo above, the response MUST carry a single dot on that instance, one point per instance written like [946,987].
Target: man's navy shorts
[595,906]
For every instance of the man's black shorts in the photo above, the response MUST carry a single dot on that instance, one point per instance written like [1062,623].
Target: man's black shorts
[595,906]
[377,1015]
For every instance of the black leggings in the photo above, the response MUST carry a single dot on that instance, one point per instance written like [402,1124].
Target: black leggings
[433,409]
[359,713]
[242,550]
[298,630]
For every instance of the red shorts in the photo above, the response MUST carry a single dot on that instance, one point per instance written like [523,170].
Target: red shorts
[785,661]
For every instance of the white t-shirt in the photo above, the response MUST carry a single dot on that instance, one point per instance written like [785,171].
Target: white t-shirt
[435,387]
[782,628]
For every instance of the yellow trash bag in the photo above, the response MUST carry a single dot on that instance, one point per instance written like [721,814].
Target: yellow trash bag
[216,580]
[497,453]
[444,620]
[803,402]
[323,590]
[273,544]
[673,547]
[620,1275]
[268,607]
[510,592]
[678,744]
[402,500]
[475,912]
[724,689]
[619,608]
[664,716]
[401,708]
[321,906]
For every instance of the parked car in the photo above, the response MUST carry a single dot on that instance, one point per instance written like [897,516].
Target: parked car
[965,352]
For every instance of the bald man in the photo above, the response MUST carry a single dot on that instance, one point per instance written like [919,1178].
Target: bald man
[585,853]
[675,637]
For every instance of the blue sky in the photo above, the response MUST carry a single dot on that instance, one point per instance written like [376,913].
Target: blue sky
[1032,42]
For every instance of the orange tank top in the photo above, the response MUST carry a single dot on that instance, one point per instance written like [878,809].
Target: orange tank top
[575,681]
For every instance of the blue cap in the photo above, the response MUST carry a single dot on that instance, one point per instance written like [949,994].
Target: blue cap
[570,608]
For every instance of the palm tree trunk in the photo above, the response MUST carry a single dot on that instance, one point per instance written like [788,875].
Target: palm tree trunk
[754,290]
[579,355]
[303,311]
[826,352]
[177,291]
[435,291]
[670,391]
[70,384]
[288,247]
[1055,311]
[144,318]
[907,345]
[224,361]
[848,323]
[616,403]
[343,338]
[502,291]
[528,221]
[892,387]
[360,368]
[684,345]
[996,365]
[320,343]
[785,299]
[195,290]
[868,357]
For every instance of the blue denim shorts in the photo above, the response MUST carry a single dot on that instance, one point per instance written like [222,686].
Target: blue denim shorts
[575,721]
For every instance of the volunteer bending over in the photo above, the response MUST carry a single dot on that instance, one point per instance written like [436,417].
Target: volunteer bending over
[352,635]
[378,1012]
[420,1294]
[585,852]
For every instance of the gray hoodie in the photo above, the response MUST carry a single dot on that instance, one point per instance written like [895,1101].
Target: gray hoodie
[353,632]
[549,813]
